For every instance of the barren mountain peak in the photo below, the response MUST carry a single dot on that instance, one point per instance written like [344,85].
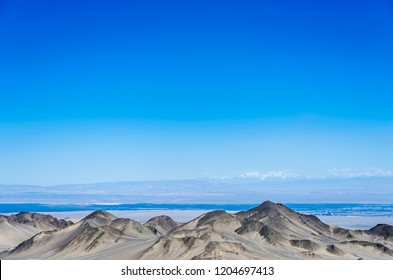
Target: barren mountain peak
[160,218]
[213,216]
[270,230]
[30,216]
[266,208]
[100,214]
[269,205]
[161,225]
[382,230]
[38,219]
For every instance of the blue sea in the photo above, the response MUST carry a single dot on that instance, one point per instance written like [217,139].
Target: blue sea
[364,210]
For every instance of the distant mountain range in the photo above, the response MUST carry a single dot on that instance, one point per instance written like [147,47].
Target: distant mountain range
[268,231]
[209,191]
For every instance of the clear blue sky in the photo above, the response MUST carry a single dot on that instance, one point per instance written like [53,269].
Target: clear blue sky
[128,90]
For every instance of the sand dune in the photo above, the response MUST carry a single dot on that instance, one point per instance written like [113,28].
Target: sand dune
[269,231]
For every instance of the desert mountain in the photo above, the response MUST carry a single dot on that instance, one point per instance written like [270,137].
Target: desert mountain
[161,225]
[16,228]
[269,231]
[96,232]
[382,231]
[46,222]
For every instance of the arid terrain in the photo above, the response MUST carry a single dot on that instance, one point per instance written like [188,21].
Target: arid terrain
[269,231]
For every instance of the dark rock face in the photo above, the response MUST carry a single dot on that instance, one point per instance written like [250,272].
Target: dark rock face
[332,249]
[305,244]
[34,219]
[249,226]
[382,230]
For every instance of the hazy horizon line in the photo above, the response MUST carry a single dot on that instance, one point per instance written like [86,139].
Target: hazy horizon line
[261,177]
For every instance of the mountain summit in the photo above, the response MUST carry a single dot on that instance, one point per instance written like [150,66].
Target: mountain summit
[268,231]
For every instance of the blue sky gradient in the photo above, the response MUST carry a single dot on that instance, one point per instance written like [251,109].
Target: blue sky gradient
[135,90]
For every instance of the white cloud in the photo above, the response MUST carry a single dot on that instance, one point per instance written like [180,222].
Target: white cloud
[366,172]
[270,174]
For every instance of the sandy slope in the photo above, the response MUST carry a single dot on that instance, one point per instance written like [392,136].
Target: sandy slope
[16,228]
[269,231]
